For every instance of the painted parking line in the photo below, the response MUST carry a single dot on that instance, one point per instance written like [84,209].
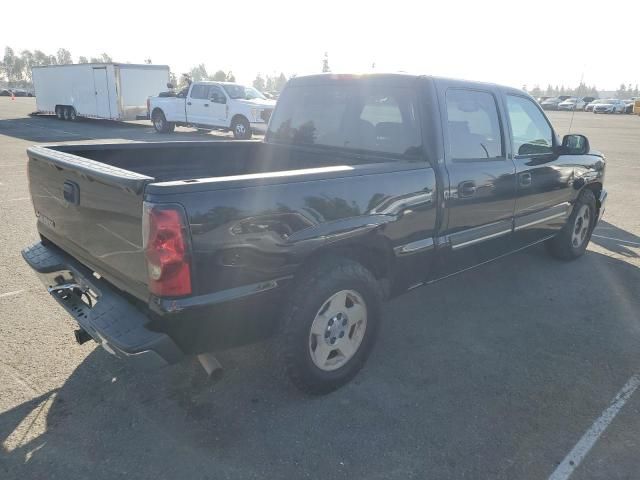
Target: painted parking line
[617,239]
[17,199]
[11,294]
[591,436]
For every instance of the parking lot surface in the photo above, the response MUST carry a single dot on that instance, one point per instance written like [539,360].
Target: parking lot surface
[495,373]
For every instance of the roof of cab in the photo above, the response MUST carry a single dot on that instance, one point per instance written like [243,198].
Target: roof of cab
[397,78]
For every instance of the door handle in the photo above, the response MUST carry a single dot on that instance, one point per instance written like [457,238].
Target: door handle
[206,104]
[188,103]
[525,179]
[466,189]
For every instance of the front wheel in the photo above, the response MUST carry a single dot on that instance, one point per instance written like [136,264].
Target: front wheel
[241,128]
[160,123]
[329,325]
[574,237]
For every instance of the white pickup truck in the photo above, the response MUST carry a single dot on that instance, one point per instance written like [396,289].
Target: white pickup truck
[213,106]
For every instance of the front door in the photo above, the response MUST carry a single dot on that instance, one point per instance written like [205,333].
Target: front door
[101,86]
[199,105]
[481,193]
[545,179]
[217,106]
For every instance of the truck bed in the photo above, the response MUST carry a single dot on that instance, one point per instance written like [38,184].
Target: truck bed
[89,198]
[171,161]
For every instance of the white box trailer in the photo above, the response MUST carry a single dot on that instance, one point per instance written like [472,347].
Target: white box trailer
[112,91]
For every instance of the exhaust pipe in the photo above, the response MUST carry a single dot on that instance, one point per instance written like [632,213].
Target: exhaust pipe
[81,336]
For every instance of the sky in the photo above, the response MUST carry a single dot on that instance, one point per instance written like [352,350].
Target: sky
[513,43]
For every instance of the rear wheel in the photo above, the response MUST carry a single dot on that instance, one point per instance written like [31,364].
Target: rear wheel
[160,122]
[330,324]
[60,112]
[574,237]
[70,114]
[241,128]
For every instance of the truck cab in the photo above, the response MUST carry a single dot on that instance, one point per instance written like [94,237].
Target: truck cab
[213,106]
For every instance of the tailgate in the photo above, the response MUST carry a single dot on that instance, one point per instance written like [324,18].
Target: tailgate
[93,211]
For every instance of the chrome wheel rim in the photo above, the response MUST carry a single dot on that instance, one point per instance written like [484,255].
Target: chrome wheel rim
[581,226]
[337,330]
[240,130]
[158,123]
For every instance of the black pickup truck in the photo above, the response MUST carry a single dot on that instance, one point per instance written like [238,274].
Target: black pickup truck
[365,187]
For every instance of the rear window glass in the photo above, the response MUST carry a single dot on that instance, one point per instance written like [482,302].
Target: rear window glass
[360,117]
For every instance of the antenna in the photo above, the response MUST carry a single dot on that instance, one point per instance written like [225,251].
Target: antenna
[575,104]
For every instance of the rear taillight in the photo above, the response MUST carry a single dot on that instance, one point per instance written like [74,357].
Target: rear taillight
[166,249]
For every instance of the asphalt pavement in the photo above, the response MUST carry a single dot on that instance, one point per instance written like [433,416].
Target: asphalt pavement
[498,373]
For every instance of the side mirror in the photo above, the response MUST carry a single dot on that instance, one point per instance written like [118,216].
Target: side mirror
[170,85]
[575,144]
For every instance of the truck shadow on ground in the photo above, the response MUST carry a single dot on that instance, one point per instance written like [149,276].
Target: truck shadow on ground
[47,128]
[457,386]
[616,240]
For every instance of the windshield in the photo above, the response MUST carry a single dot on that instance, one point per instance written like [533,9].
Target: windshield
[241,92]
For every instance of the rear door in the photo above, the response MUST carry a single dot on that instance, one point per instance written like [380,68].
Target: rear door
[198,105]
[545,179]
[101,86]
[480,198]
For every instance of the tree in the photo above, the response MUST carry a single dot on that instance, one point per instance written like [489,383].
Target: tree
[536,91]
[11,66]
[40,58]
[51,60]
[325,63]
[622,91]
[28,61]
[199,73]
[280,82]
[231,77]
[147,61]
[82,59]
[64,56]
[220,76]
[104,58]
[258,83]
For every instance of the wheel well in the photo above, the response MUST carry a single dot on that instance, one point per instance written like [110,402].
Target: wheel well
[376,259]
[157,109]
[238,116]
[596,188]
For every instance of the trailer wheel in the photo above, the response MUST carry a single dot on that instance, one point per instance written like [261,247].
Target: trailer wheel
[160,122]
[60,112]
[70,114]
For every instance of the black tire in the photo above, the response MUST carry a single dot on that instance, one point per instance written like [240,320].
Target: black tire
[241,128]
[311,293]
[160,122]
[60,113]
[70,114]
[563,246]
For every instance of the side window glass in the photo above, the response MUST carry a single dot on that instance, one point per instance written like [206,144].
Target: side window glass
[200,92]
[532,134]
[473,125]
[215,93]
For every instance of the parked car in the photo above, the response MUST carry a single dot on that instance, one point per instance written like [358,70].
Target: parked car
[589,107]
[542,99]
[163,249]
[610,105]
[5,92]
[587,101]
[213,106]
[552,103]
[572,103]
